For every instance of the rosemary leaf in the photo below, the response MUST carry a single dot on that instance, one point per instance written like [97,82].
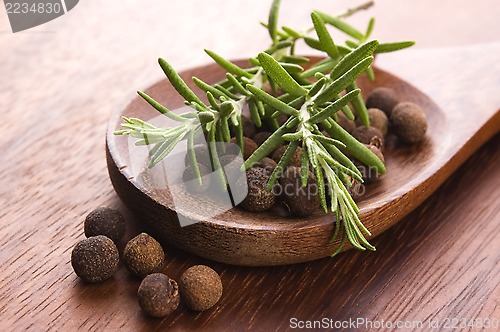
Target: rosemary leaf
[272,101]
[341,25]
[280,75]
[228,65]
[351,59]
[178,83]
[272,24]
[391,47]
[160,108]
[282,164]
[335,106]
[324,36]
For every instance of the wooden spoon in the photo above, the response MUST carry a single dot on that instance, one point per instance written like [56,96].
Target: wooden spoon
[457,87]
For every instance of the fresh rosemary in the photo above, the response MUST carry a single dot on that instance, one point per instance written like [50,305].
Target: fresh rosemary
[310,100]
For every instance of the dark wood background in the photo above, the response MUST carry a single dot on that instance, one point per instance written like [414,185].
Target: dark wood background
[59,84]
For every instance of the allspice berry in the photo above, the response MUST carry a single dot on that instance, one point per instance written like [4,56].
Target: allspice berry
[202,155]
[409,122]
[249,146]
[158,295]
[248,127]
[379,120]
[301,201]
[190,179]
[95,259]
[367,134]
[296,158]
[143,255]
[268,164]
[258,198]
[105,221]
[200,287]
[370,174]
[261,137]
[382,98]
[345,123]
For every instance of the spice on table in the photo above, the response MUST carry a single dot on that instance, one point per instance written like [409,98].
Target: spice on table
[382,98]
[258,198]
[296,158]
[105,221]
[249,146]
[302,201]
[158,295]
[143,255]
[200,287]
[95,259]
[379,120]
[261,137]
[190,179]
[345,122]
[409,122]
[367,134]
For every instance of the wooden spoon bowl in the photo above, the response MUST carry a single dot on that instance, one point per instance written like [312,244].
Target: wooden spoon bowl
[256,239]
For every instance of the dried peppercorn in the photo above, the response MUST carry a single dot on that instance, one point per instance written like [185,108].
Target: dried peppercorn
[200,287]
[409,122]
[382,98]
[143,255]
[95,259]
[258,198]
[158,295]
[301,201]
[105,221]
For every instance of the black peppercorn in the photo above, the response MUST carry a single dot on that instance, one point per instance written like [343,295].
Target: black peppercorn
[143,255]
[409,122]
[301,201]
[105,221]
[258,198]
[95,259]
[158,295]
[200,287]
[382,98]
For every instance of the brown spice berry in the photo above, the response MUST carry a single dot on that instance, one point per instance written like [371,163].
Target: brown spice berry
[143,255]
[268,164]
[248,127]
[202,155]
[249,146]
[95,259]
[382,98]
[261,137]
[345,123]
[366,134]
[370,174]
[294,161]
[302,201]
[409,122]
[190,179]
[379,120]
[258,198]
[105,221]
[200,287]
[158,295]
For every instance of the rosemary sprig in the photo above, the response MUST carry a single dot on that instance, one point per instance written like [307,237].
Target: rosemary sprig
[310,100]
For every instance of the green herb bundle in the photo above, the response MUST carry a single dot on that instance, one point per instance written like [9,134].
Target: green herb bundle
[275,85]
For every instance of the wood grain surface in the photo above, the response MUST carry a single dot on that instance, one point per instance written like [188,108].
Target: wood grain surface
[60,82]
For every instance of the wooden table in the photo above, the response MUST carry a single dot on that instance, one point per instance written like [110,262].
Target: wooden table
[59,84]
